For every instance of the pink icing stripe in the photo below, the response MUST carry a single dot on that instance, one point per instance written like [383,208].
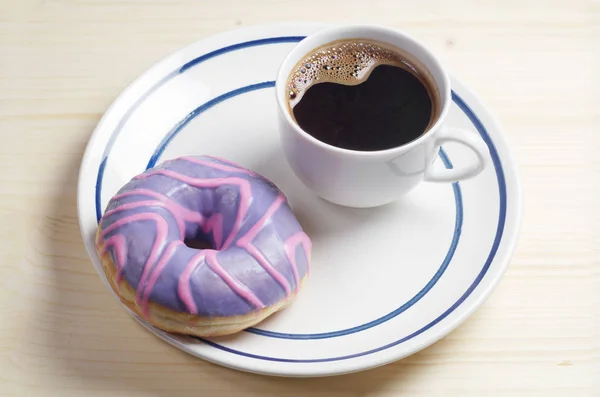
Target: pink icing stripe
[290,249]
[217,166]
[257,227]
[183,287]
[235,285]
[156,273]
[129,206]
[246,243]
[237,167]
[215,223]
[245,194]
[119,244]
[185,213]
[260,258]
[162,229]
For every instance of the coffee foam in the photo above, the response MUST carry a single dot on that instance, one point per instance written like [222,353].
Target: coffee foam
[347,62]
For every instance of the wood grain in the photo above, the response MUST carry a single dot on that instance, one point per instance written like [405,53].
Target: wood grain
[535,63]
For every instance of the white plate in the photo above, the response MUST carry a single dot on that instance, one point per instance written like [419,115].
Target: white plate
[385,282]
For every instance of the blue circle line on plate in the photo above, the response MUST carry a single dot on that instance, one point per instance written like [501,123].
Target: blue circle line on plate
[164,79]
[412,301]
[497,239]
[461,104]
[332,334]
[200,109]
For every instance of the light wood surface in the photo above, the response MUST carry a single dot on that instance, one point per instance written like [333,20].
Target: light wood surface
[62,62]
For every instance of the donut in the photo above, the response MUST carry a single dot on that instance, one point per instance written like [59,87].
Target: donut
[251,262]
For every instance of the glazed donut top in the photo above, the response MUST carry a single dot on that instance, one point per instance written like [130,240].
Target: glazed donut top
[259,251]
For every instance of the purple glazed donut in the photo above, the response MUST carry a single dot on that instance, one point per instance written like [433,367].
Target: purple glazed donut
[258,256]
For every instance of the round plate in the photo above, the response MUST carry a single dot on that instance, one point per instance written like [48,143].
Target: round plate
[385,282]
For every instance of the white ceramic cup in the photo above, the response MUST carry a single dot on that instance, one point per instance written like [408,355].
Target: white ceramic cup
[372,178]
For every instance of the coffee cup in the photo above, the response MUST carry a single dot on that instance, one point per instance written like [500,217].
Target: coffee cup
[345,173]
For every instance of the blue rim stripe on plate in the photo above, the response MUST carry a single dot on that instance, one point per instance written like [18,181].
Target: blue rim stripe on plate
[331,334]
[99,180]
[464,107]
[239,46]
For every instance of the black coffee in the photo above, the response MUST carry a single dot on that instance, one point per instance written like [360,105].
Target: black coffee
[360,95]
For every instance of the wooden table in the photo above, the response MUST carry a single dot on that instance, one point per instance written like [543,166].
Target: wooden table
[62,62]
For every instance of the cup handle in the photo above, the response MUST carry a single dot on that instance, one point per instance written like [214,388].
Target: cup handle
[473,142]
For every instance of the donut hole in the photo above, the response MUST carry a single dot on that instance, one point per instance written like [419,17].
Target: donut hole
[198,244]
[198,239]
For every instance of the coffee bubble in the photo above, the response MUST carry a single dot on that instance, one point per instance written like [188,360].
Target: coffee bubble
[346,62]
